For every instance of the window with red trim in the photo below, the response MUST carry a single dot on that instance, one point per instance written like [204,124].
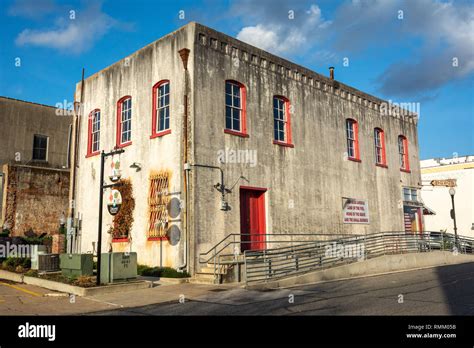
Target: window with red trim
[403,152]
[235,108]
[124,121]
[281,120]
[379,143]
[352,130]
[161,108]
[93,139]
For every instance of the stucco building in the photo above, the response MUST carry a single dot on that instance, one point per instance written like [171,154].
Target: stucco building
[438,199]
[299,152]
[34,166]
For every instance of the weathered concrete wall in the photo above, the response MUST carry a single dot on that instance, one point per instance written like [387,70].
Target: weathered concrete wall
[35,198]
[135,76]
[21,121]
[305,184]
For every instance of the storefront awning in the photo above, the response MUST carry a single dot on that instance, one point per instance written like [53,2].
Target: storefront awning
[428,211]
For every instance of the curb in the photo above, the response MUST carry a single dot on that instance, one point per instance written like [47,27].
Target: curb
[72,289]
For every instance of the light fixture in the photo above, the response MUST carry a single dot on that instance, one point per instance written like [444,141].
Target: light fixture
[452,191]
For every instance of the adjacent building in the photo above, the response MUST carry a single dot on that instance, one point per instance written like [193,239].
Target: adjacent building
[438,171]
[299,152]
[34,174]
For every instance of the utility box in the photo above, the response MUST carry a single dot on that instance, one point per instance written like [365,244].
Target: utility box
[75,265]
[118,267]
[48,262]
[34,252]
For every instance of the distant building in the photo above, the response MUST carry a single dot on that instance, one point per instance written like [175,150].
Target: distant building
[302,153]
[438,199]
[34,174]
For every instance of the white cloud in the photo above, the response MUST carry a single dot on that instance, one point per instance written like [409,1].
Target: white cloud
[284,36]
[71,35]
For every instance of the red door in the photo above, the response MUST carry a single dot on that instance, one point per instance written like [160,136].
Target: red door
[252,218]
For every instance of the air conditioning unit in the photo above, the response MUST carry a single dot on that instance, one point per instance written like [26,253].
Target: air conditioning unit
[48,262]
[36,250]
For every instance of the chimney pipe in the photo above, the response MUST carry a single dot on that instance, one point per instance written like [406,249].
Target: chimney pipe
[331,72]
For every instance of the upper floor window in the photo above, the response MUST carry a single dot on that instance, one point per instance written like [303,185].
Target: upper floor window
[281,121]
[410,194]
[93,140]
[40,148]
[379,139]
[352,136]
[403,153]
[235,108]
[124,121]
[161,108]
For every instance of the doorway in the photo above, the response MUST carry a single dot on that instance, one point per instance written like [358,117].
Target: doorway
[252,218]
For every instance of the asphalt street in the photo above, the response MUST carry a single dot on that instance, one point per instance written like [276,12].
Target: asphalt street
[447,290]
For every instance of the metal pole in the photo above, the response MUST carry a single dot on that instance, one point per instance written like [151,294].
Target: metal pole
[455,227]
[101,200]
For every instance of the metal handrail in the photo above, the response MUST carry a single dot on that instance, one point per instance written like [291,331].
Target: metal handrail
[416,242]
[276,263]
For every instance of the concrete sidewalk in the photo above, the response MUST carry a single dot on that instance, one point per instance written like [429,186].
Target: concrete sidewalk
[25,299]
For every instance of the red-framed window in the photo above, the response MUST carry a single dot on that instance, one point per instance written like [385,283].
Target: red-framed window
[124,121]
[161,109]
[403,153]
[352,136]
[281,121]
[235,108]
[379,145]
[93,133]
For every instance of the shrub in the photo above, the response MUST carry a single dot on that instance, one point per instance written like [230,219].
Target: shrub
[163,272]
[17,261]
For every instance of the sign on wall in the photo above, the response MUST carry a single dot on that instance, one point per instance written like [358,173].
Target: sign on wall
[355,211]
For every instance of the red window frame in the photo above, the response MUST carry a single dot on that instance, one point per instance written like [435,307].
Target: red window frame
[286,120]
[154,116]
[243,110]
[403,153]
[354,141]
[379,146]
[90,123]
[119,123]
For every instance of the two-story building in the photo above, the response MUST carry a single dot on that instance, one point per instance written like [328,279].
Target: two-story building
[299,152]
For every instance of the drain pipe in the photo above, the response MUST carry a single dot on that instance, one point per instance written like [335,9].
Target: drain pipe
[78,110]
[184,54]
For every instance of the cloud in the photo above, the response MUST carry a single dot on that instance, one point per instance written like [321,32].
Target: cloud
[427,39]
[283,31]
[72,35]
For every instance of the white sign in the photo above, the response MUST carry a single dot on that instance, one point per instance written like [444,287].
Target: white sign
[355,211]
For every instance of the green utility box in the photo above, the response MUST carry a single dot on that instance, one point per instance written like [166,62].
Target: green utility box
[118,267]
[75,265]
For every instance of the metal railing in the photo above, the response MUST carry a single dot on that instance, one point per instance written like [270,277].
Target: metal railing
[228,250]
[272,264]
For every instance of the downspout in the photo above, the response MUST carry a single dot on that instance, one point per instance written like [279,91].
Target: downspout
[72,194]
[184,54]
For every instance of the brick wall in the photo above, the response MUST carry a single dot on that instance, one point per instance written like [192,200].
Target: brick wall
[35,198]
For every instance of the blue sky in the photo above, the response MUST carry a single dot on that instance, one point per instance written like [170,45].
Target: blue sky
[407,51]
